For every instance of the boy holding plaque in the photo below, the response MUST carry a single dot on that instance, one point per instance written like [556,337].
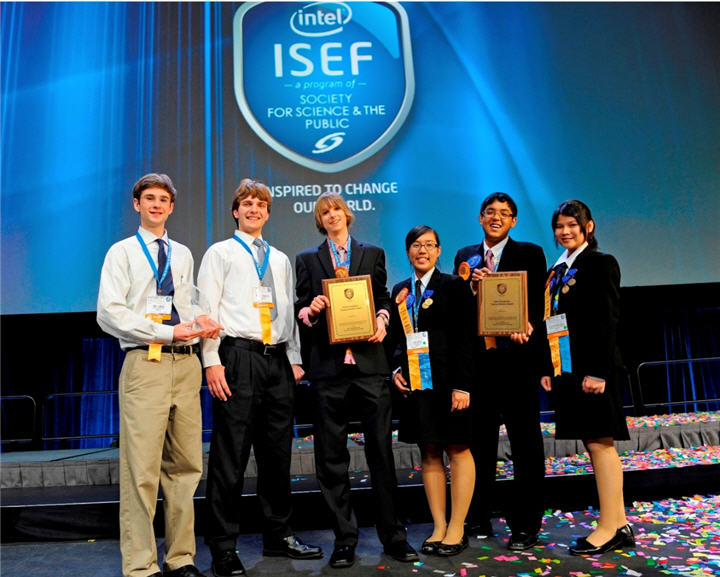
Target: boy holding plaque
[338,370]
[251,373]
[143,302]
[507,371]
[431,336]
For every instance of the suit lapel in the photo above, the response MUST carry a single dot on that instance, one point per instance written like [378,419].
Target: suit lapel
[508,254]
[432,286]
[325,260]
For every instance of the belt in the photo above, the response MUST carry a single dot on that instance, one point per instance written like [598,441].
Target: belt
[175,349]
[255,346]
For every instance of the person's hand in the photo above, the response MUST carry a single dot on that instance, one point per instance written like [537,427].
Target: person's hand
[380,332]
[460,401]
[210,327]
[401,384]
[546,383]
[298,372]
[319,304]
[593,386]
[477,275]
[185,332]
[217,385]
[521,338]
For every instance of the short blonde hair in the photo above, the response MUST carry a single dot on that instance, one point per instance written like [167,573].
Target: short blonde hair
[333,200]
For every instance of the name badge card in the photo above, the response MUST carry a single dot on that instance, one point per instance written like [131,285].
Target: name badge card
[158,305]
[556,324]
[263,295]
[418,348]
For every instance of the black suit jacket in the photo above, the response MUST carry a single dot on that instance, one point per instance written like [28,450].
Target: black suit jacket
[592,306]
[518,256]
[450,331]
[321,359]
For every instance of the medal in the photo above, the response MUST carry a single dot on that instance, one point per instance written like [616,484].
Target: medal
[571,282]
[426,303]
[341,272]
[565,289]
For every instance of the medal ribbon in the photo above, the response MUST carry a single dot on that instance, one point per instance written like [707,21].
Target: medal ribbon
[419,369]
[336,254]
[155,349]
[264,308]
[559,341]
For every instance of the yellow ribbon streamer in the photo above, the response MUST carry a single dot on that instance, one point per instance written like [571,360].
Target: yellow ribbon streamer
[265,321]
[155,349]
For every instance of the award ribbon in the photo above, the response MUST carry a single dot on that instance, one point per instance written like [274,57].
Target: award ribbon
[557,330]
[418,351]
[341,267]
[155,349]
[403,311]
[265,305]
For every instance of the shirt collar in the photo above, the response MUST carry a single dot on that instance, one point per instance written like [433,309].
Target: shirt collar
[497,250]
[247,238]
[569,260]
[149,237]
[425,280]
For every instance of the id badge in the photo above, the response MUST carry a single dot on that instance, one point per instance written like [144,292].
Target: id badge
[159,305]
[417,340]
[263,295]
[556,324]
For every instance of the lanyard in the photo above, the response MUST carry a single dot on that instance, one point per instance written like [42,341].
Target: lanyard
[336,255]
[260,269]
[158,278]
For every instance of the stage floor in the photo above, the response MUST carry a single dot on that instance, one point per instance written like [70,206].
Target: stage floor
[674,537]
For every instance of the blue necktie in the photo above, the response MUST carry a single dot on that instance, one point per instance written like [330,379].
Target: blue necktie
[167,287]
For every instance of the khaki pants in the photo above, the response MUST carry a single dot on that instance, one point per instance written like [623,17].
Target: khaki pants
[160,444]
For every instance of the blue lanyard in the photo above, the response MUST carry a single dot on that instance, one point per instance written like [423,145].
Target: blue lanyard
[260,269]
[336,255]
[158,278]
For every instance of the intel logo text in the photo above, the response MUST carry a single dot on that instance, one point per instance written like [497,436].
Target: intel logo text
[320,19]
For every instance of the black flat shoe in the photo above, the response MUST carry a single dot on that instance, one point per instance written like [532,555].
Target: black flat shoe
[445,550]
[584,547]
[628,537]
[227,564]
[430,547]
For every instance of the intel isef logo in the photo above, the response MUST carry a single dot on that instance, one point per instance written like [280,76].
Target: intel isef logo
[326,84]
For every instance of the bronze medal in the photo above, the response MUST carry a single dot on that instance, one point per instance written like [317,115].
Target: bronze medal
[565,289]
[571,282]
[426,303]
[341,272]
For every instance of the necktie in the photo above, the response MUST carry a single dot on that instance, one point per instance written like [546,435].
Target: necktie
[418,296]
[267,277]
[560,271]
[490,260]
[167,287]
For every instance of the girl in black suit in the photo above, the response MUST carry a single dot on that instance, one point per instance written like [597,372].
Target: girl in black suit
[437,419]
[585,286]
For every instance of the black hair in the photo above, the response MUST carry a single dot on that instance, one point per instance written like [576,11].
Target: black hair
[580,212]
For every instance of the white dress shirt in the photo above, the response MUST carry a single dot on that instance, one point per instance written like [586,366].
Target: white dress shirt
[497,251]
[227,281]
[127,279]
[570,259]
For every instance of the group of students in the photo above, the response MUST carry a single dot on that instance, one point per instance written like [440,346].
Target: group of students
[260,334]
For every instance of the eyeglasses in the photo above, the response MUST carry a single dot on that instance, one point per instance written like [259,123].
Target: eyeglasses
[504,214]
[428,246]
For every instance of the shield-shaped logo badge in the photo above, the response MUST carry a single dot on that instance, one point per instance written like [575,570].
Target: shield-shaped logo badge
[325,84]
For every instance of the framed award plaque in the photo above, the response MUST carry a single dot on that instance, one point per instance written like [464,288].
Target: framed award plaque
[351,316]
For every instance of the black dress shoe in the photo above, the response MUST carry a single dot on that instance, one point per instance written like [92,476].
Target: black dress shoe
[584,547]
[293,547]
[430,547]
[628,537]
[342,556]
[481,530]
[184,571]
[227,564]
[401,551]
[520,540]
[445,550]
